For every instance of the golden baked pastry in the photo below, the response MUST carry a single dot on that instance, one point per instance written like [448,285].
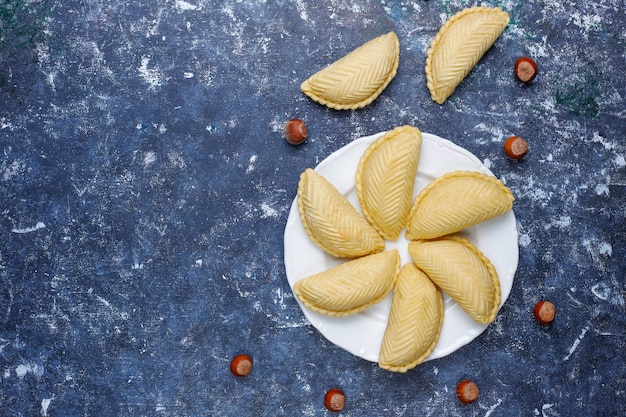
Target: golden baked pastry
[460,269]
[455,201]
[358,78]
[459,45]
[350,287]
[331,222]
[385,178]
[415,321]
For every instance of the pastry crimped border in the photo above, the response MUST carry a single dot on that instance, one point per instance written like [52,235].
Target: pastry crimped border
[367,101]
[343,313]
[454,174]
[371,149]
[435,43]
[407,367]
[491,269]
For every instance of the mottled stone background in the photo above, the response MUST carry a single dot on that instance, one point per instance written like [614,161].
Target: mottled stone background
[145,186]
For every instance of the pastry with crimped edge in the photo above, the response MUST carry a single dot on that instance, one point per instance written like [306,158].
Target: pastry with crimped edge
[463,272]
[455,201]
[415,321]
[459,45]
[357,79]
[385,178]
[331,222]
[350,287]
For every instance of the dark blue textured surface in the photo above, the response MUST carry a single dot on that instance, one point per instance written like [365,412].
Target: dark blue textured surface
[145,187]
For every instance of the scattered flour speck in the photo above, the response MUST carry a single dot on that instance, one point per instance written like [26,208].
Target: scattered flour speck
[546,407]
[268,211]
[497,134]
[149,158]
[493,407]
[598,138]
[183,5]
[45,403]
[39,225]
[251,163]
[22,370]
[4,124]
[277,125]
[150,75]
[538,49]
[602,189]
[563,222]
[601,290]
[301,6]
[605,248]
[12,170]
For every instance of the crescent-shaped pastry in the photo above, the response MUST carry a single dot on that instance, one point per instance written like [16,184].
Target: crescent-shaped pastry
[385,177]
[461,270]
[455,201]
[350,287]
[331,222]
[459,45]
[415,321]
[358,78]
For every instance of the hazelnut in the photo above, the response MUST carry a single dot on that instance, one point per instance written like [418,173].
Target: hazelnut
[241,365]
[335,400]
[515,147]
[295,131]
[544,312]
[525,69]
[467,391]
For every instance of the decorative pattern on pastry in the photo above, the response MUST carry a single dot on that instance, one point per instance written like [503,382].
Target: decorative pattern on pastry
[350,287]
[455,201]
[358,78]
[415,321]
[461,270]
[385,178]
[459,45]
[331,222]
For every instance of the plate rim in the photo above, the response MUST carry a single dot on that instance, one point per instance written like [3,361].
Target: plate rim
[294,220]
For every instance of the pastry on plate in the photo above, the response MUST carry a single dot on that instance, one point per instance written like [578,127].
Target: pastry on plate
[459,45]
[455,201]
[358,78]
[331,222]
[385,178]
[415,321]
[350,287]
[463,272]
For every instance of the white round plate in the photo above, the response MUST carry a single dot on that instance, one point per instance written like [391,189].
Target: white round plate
[361,334]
